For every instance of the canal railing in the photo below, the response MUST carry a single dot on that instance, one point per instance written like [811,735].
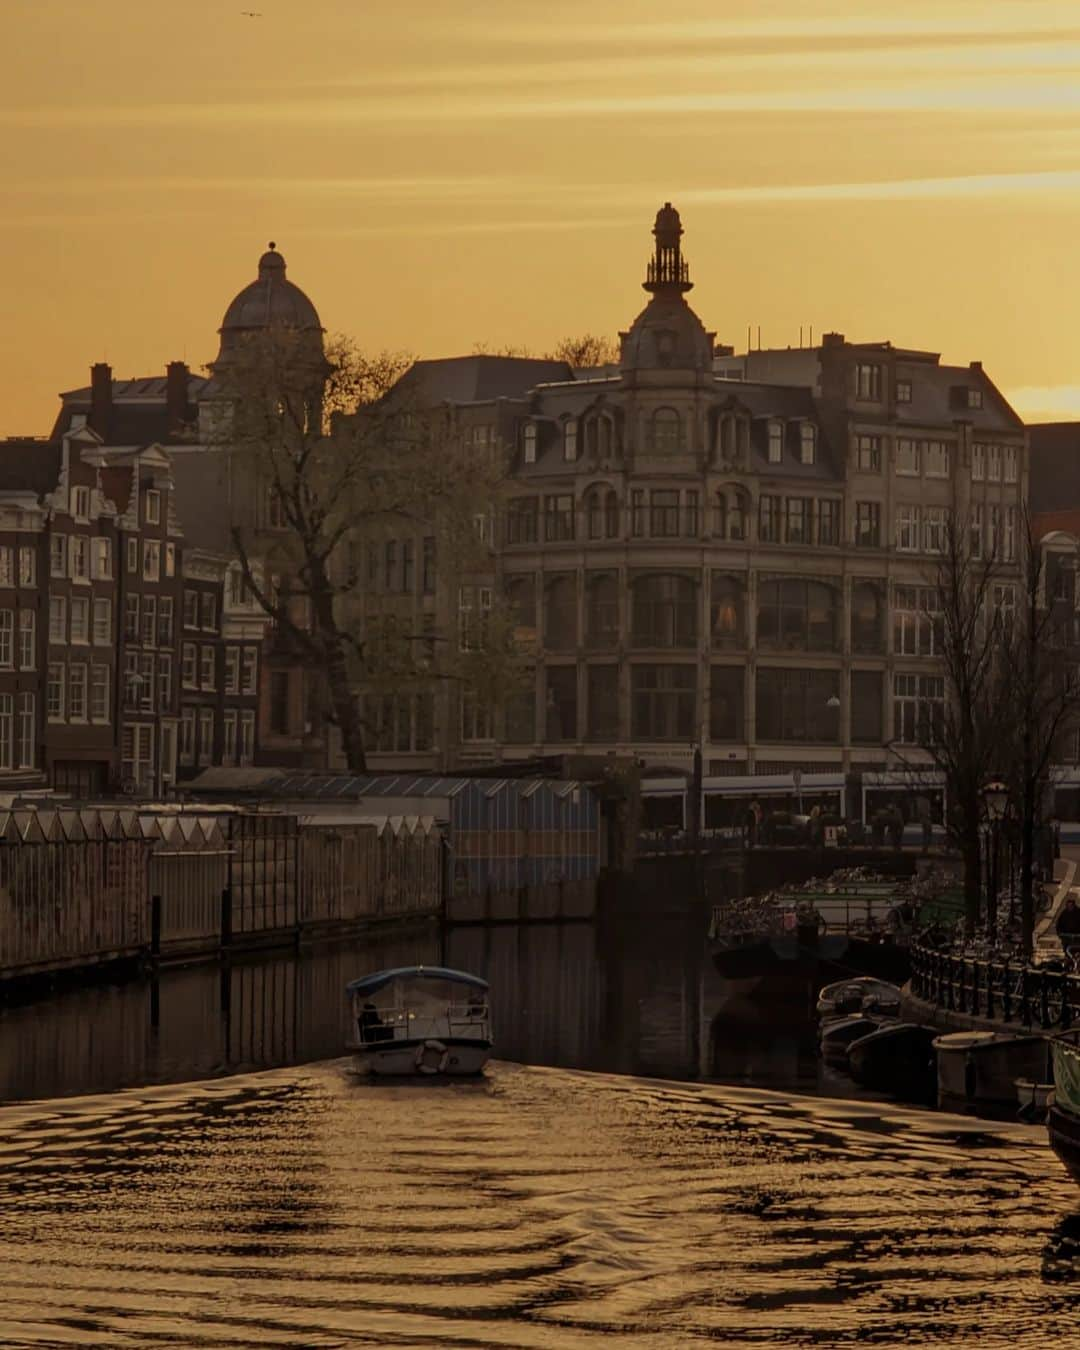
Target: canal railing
[1002,991]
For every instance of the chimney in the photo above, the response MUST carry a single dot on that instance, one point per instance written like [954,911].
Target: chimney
[832,340]
[176,394]
[100,398]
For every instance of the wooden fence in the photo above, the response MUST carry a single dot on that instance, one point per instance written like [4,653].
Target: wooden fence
[86,887]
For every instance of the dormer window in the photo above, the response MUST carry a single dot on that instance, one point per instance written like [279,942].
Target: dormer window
[80,503]
[807,443]
[530,443]
[868,383]
[570,440]
[903,391]
[666,430]
[776,441]
[152,506]
[974,398]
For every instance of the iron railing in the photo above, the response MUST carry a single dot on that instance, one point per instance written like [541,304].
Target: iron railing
[1000,990]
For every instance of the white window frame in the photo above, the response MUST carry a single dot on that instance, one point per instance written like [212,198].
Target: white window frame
[7,639]
[102,621]
[78,685]
[99,693]
[58,619]
[26,732]
[907,457]
[775,451]
[27,639]
[80,620]
[27,565]
[54,691]
[79,557]
[152,506]
[249,670]
[807,443]
[151,560]
[58,555]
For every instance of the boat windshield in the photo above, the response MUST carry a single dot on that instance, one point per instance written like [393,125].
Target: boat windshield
[420,1009]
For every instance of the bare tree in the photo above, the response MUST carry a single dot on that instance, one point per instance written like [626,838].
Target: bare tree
[590,349]
[1040,704]
[323,464]
[961,735]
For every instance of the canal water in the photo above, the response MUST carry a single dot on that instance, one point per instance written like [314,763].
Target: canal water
[189,1162]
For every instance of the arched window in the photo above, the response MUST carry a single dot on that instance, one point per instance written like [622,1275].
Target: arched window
[798,615]
[530,442]
[666,431]
[569,431]
[725,442]
[729,515]
[603,435]
[727,619]
[664,612]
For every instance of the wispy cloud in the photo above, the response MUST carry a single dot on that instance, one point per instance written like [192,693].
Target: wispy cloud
[1054,401]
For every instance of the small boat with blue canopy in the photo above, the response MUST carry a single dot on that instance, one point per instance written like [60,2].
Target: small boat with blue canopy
[426,1020]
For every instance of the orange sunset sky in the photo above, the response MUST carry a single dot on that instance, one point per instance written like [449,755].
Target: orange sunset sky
[442,173]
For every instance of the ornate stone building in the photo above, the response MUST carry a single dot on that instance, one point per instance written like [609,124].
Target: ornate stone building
[736,553]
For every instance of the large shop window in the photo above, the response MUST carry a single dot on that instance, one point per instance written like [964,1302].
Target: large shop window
[603,703]
[867,617]
[793,705]
[726,703]
[663,700]
[795,615]
[561,710]
[727,618]
[560,615]
[521,717]
[601,609]
[664,612]
[867,722]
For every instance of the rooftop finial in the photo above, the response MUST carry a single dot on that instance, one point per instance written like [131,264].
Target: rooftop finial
[271,264]
[667,271]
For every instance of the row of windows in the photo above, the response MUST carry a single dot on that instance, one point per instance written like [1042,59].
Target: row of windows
[89,620]
[870,386]
[391,565]
[200,609]
[148,619]
[148,682]
[18,564]
[791,706]
[664,434]
[673,513]
[793,613]
[196,746]
[80,504]
[198,668]
[78,692]
[26,642]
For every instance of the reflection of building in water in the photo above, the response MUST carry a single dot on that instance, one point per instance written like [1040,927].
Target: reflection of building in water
[196,1021]
[546,990]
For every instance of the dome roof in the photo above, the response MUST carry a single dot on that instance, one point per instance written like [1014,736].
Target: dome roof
[667,333]
[270,301]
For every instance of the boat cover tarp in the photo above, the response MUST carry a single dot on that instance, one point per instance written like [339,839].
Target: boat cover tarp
[1067,1075]
[371,984]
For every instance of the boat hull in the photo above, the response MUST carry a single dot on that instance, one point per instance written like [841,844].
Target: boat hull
[838,1034]
[1064,1131]
[445,1058]
[977,1071]
[897,1059]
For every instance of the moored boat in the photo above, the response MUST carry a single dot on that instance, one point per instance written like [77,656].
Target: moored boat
[420,1021]
[898,1058]
[1063,1117]
[861,994]
[836,1035]
[977,1070]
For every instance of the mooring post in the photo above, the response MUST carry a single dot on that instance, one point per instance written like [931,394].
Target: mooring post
[226,917]
[155,927]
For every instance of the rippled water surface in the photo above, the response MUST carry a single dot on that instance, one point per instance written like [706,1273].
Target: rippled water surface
[540,1207]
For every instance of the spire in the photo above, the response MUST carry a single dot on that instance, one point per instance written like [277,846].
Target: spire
[667,271]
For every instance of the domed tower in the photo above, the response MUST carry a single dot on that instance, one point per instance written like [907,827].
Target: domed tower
[270,302]
[667,334]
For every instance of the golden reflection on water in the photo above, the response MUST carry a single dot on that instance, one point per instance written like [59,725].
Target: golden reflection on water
[535,1208]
